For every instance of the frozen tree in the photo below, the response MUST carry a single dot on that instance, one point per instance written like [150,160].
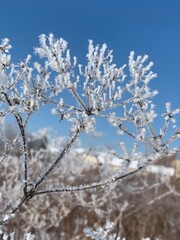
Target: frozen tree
[122,97]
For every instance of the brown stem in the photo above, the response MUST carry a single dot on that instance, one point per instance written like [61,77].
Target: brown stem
[100,184]
[23,134]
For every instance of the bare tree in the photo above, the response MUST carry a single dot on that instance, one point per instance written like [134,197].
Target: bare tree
[107,92]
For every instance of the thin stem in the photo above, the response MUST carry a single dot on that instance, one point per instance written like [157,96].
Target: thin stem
[78,99]
[173,138]
[22,201]
[16,79]
[165,127]
[149,126]
[62,154]
[23,135]
[100,184]
[9,149]
[64,105]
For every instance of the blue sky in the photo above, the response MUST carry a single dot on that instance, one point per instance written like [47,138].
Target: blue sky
[148,27]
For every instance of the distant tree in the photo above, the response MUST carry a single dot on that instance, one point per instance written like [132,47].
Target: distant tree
[108,92]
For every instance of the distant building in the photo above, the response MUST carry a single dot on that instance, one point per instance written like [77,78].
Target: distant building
[176,165]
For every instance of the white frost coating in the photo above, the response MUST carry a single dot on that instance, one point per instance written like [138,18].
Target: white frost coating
[8,217]
[102,233]
[29,236]
[100,89]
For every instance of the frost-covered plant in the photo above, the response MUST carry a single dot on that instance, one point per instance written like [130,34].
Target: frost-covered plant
[106,92]
[53,215]
[101,233]
[11,236]
[104,233]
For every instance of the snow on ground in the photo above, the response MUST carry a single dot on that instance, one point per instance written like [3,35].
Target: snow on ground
[168,171]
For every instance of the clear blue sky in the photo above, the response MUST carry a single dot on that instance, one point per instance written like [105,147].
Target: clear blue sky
[148,27]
